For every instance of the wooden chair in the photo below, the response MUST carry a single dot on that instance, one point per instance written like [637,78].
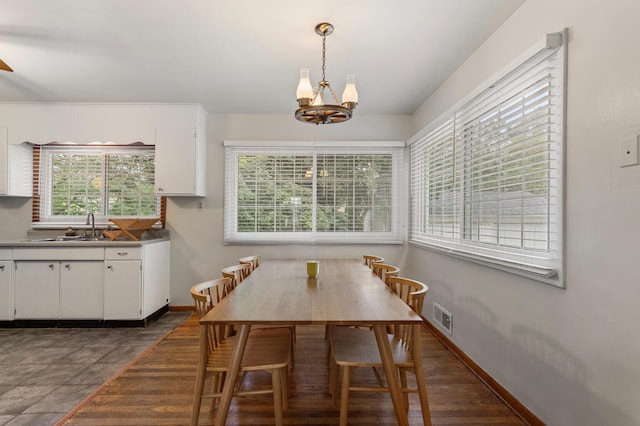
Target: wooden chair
[385,271]
[236,273]
[254,261]
[357,347]
[266,350]
[382,270]
[208,294]
[369,259]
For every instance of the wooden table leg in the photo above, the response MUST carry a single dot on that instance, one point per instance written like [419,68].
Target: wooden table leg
[380,331]
[234,368]
[202,371]
[419,370]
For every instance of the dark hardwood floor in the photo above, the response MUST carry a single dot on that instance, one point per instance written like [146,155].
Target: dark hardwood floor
[157,390]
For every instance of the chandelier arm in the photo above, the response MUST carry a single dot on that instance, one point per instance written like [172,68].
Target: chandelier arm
[335,98]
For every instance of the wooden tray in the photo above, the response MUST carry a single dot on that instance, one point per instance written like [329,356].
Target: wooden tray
[131,227]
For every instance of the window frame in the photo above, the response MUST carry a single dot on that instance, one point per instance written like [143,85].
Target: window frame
[42,217]
[235,148]
[548,268]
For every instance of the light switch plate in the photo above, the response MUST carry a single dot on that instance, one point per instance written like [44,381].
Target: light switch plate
[629,152]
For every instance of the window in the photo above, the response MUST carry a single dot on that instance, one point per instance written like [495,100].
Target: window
[307,193]
[108,181]
[486,182]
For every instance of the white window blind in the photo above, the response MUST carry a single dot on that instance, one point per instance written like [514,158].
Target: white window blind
[486,183]
[108,181]
[313,194]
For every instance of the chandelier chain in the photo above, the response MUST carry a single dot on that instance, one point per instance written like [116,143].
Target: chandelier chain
[324,50]
[324,83]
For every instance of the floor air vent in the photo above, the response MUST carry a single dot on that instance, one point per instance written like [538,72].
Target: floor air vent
[442,317]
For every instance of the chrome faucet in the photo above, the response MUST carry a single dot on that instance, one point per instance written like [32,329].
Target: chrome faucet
[91,220]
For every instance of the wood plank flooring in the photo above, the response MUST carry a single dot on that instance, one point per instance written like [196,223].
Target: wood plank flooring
[157,390]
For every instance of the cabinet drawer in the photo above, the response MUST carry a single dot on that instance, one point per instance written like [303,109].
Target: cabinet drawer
[68,253]
[122,253]
[5,254]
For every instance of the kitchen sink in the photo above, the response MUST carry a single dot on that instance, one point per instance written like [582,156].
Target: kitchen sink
[65,238]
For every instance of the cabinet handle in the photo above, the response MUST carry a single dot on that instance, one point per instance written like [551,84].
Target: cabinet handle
[123,253]
[1,267]
[67,266]
[51,266]
[160,189]
[110,267]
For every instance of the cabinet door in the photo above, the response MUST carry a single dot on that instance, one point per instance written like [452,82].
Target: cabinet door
[81,290]
[122,290]
[4,162]
[16,167]
[37,290]
[156,277]
[6,296]
[177,169]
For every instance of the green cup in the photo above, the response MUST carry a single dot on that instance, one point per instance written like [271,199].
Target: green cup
[313,267]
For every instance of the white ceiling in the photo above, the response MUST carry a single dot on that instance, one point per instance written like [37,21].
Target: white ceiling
[237,56]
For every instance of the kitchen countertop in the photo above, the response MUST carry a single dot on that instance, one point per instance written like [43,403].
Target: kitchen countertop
[29,242]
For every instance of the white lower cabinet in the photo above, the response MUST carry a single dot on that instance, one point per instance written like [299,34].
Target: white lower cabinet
[37,290]
[6,293]
[58,290]
[122,289]
[81,290]
[136,281]
[156,288]
[101,283]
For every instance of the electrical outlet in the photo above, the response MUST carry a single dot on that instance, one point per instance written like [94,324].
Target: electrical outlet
[629,152]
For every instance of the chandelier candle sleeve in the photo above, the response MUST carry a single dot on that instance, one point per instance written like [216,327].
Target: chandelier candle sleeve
[316,106]
[304,93]
[350,94]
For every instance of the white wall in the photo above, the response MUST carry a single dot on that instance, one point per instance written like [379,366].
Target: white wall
[571,356]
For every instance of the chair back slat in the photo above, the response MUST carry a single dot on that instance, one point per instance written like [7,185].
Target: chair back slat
[370,258]
[385,271]
[254,261]
[412,292]
[237,273]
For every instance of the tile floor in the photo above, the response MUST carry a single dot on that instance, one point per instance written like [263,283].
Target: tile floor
[46,372]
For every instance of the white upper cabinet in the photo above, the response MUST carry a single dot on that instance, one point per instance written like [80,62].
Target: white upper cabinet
[181,155]
[16,165]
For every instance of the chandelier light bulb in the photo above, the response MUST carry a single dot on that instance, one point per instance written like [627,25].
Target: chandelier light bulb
[318,100]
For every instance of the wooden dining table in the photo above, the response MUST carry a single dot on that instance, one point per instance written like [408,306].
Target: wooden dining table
[279,292]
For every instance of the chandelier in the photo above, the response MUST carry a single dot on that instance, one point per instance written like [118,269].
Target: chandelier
[314,107]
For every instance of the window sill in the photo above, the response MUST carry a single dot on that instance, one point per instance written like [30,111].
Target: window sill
[545,275]
[263,240]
